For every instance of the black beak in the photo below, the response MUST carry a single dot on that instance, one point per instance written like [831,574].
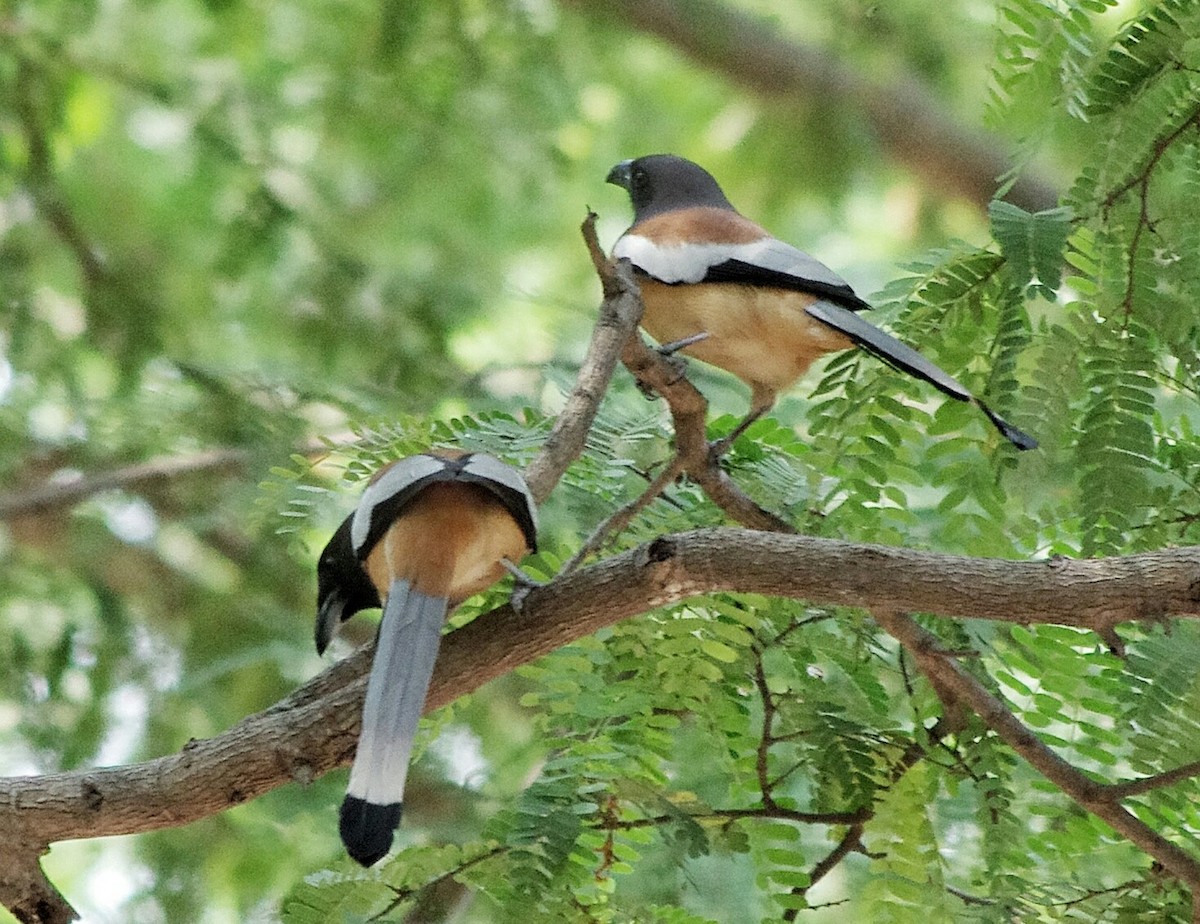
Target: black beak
[329,617]
[621,174]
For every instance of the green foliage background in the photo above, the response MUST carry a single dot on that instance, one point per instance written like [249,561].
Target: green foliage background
[270,227]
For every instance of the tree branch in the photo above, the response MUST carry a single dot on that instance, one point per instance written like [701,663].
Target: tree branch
[1096,798]
[908,120]
[620,313]
[776,812]
[55,494]
[689,412]
[1157,781]
[314,730]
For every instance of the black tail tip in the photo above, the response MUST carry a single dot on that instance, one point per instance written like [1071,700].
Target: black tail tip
[1018,438]
[367,828]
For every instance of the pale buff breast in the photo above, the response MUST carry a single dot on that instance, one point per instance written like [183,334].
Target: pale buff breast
[763,336]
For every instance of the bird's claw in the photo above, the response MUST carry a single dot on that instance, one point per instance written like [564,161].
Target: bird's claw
[523,587]
[674,346]
[718,448]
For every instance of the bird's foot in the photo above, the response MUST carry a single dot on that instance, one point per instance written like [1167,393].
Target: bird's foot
[670,354]
[523,587]
[718,448]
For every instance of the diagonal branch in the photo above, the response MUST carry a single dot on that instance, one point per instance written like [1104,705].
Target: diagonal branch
[620,313]
[56,494]
[689,410]
[1090,795]
[625,515]
[1157,781]
[905,116]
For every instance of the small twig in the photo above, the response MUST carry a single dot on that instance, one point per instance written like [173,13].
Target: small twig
[968,899]
[781,778]
[1142,223]
[850,842]
[619,520]
[647,477]
[799,624]
[774,812]
[1090,894]
[403,895]
[1142,176]
[766,738]
[1157,781]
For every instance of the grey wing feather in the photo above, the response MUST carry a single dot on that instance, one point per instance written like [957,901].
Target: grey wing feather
[397,478]
[781,257]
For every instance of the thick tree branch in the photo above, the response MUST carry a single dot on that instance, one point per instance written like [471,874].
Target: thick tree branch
[314,730]
[908,120]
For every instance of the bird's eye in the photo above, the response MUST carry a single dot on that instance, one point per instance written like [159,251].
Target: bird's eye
[641,181]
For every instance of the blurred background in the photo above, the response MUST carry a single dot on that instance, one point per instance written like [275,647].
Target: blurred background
[237,237]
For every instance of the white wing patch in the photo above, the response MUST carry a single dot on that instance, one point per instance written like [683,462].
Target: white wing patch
[691,262]
[675,263]
[390,483]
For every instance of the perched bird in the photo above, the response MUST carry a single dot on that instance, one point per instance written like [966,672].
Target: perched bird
[430,531]
[765,309]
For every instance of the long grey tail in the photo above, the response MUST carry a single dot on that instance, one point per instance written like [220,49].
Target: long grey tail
[405,652]
[903,357]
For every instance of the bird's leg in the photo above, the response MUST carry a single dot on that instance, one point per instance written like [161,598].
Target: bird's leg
[677,363]
[761,401]
[670,349]
[718,448]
